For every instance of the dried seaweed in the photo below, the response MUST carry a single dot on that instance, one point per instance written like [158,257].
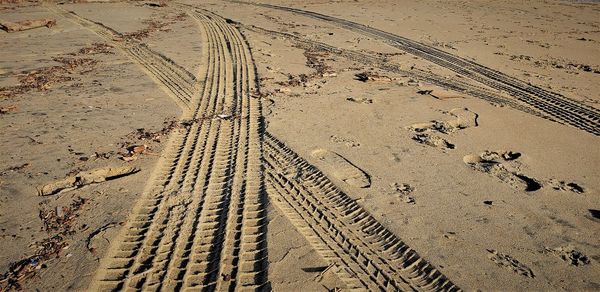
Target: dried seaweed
[26,268]
[96,48]
[315,60]
[44,78]
[61,218]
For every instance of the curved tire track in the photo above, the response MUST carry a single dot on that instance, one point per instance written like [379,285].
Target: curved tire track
[200,222]
[553,104]
[177,82]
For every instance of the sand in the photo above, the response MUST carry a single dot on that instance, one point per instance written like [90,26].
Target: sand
[313,146]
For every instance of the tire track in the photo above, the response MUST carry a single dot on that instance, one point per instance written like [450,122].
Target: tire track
[553,104]
[364,252]
[382,63]
[200,222]
[175,80]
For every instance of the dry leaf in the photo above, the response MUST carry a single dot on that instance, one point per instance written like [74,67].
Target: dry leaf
[8,109]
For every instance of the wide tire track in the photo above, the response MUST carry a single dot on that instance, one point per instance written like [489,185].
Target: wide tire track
[559,107]
[364,253]
[200,222]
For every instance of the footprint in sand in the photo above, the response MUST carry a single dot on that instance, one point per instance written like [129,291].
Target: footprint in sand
[403,192]
[570,255]
[566,186]
[594,215]
[433,141]
[350,143]
[509,262]
[342,169]
[503,166]
[425,132]
[490,162]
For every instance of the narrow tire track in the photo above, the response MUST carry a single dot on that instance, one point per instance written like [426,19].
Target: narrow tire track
[557,106]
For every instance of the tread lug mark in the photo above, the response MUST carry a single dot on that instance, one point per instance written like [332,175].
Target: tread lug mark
[200,222]
[366,255]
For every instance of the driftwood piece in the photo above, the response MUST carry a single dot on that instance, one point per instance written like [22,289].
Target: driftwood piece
[26,24]
[85,178]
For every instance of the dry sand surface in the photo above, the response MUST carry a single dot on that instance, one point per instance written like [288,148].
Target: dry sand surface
[300,145]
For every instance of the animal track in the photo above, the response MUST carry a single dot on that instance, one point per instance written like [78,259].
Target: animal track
[424,132]
[342,169]
[503,166]
[463,118]
[490,162]
[509,262]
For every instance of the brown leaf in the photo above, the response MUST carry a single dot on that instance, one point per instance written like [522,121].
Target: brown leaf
[8,109]
[139,149]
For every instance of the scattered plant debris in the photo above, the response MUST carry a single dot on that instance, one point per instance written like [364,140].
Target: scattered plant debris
[315,60]
[153,26]
[44,78]
[143,134]
[61,218]
[14,168]
[26,268]
[170,125]
[95,48]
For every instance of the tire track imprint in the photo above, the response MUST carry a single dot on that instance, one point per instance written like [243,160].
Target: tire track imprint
[176,81]
[200,223]
[553,104]
[366,255]
[382,63]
